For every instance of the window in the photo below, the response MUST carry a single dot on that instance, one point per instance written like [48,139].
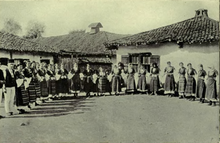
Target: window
[125,59]
[155,59]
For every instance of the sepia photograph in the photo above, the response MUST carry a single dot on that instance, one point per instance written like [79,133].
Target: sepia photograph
[109,71]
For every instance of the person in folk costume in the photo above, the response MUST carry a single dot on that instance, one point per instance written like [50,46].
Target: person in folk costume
[169,85]
[75,79]
[22,97]
[35,66]
[3,67]
[28,77]
[63,83]
[95,80]
[43,82]
[190,83]
[201,87]
[124,76]
[142,82]
[57,77]
[88,84]
[51,82]
[10,84]
[116,80]
[32,85]
[109,82]
[131,86]
[211,90]
[182,80]
[154,81]
[82,80]
[102,82]
[121,67]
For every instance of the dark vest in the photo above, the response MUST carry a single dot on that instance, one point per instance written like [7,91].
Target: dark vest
[2,81]
[10,79]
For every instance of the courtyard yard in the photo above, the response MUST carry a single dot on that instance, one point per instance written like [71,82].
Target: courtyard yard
[114,119]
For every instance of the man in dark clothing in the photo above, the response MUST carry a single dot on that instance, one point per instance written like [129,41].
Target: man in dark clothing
[3,63]
[10,84]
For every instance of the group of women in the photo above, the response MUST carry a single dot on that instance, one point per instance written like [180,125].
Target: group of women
[37,82]
[186,86]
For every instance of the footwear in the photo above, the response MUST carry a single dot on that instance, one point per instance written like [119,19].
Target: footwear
[29,106]
[203,100]
[214,103]
[8,114]
[35,103]
[22,111]
[181,97]
[210,103]
[1,117]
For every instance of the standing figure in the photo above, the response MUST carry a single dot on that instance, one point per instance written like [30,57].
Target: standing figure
[95,80]
[124,76]
[32,85]
[10,84]
[169,85]
[57,77]
[43,82]
[3,63]
[28,85]
[182,80]
[63,83]
[22,98]
[131,86]
[88,84]
[36,78]
[116,80]
[154,82]
[51,82]
[102,84]
[201,87]
[109,82]
[75,81]
[142,81]
[190,83]
[211,90]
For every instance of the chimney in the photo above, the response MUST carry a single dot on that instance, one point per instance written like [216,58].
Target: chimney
[202,12]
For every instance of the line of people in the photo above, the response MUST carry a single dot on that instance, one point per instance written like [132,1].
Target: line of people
[186,86]
[28,83]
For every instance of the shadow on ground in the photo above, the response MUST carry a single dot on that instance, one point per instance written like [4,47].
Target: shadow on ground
[59,108]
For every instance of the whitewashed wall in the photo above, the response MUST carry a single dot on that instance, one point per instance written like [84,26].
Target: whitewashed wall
[206,54]
[4,54]
[24,55]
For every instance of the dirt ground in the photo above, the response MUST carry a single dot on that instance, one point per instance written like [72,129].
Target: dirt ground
[114,119]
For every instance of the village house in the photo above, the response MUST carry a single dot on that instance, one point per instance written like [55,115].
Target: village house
[14,47]
[84,47]
[194,40]
[96,60]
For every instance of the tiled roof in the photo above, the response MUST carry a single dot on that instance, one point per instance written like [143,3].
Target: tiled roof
[80,41]
[198,29]
[96,60]
[12,42]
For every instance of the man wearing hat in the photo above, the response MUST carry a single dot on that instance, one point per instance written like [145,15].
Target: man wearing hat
[10,84]
[3,66]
